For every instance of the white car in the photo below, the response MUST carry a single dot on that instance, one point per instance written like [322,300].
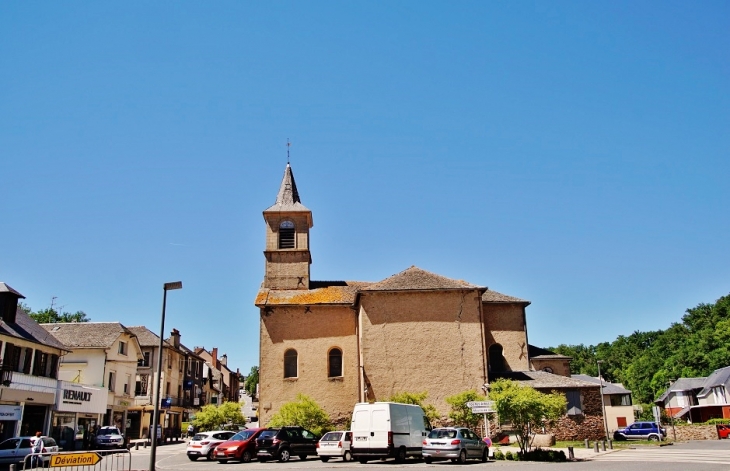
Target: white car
[203,443]
[109,437]
[335,445]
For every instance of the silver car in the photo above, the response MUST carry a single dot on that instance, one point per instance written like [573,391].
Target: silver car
[14,450]
[454,443]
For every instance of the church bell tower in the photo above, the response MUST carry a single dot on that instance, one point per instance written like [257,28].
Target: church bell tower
[287,238]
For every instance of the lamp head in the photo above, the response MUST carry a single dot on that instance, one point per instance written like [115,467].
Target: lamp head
[172,285]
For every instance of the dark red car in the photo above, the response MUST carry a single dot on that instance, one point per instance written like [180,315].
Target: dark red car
[723,431]
[241,446]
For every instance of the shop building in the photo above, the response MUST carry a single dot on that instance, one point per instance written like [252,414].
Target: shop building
[29,371]
[103,355]
[79,410]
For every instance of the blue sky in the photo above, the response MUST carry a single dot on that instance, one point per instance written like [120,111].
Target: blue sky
[571,153]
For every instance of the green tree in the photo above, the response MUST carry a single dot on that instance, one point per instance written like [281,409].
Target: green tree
[417,399]
[460,413]
[304,412]
[252,381]
[51,316]
[525,407]
[213,417]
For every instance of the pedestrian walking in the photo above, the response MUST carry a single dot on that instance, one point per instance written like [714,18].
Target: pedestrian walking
[36,446]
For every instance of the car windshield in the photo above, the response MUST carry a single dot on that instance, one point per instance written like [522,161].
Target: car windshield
[332,437]
[244,435]
[108,431]
[199,437]
[442,434]
[268,434]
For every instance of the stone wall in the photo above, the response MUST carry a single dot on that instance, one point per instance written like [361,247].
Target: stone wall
[692,432]
[589,425]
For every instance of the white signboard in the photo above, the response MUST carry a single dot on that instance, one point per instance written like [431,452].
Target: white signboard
[75,397]
[474,404]
[482,410]
[11,412]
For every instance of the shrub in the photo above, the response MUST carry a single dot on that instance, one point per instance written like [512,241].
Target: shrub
[498,455]
[718,422]
[509,456]
[460,413]
[539,454]
[304,412]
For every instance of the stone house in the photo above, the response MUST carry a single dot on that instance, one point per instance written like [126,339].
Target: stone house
[103,355]
[617,403]
[223,382]
[29,369]
[343,342]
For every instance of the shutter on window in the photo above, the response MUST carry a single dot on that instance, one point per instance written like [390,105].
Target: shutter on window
[574,407]
[54,367]
[28,359]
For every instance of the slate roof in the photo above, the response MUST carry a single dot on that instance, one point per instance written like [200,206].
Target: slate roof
[5,288]
[288,197]
[608,388]
[87,334]
[146,337]
[491,296]
[320,292]
[543,380]
[417,279]
[541,353]
[719,377]
[683,384]
[26,328]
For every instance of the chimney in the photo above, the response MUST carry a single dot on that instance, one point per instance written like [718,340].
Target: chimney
[9,303]
[224,360]
[214,356]
[175,334]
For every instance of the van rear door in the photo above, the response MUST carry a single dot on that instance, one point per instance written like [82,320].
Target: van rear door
[361,428]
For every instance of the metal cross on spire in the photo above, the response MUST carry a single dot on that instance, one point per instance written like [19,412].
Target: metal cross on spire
[288,145]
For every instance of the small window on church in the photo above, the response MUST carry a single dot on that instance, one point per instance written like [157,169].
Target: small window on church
[335,363]
[286,235]
[290,363]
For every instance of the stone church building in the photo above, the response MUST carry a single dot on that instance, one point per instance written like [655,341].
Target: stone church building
[343,342]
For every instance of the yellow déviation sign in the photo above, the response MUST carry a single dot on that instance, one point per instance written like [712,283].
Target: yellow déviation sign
[75,459]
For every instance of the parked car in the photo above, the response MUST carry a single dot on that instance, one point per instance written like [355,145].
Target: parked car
[454,443]
[241,446]
[335,445]
[723,431]
[109,437]
[282,443]
[14,450]
[641,431]
[204,443]
[388,430]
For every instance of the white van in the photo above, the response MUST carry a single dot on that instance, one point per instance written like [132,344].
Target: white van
[387,430]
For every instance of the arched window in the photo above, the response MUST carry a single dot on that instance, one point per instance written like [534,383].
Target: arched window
[290,363]
[496,358]
[286,235]
[335,363]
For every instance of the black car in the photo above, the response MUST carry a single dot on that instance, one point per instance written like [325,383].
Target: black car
[281,443]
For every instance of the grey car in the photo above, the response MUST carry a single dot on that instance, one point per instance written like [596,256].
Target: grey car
[14,450]
[455,443]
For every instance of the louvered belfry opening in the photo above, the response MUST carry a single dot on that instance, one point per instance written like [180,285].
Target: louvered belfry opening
[286,235]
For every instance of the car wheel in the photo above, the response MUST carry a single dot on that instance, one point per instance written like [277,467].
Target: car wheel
[347,456]
[653,438]
[302,457]
[284,455]
[401,456]
[462,457]
[193,458]
[485,455]
[428,460]
[246,457]
[209,456]
[324,458]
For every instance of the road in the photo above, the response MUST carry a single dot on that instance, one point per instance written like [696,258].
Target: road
[692,456]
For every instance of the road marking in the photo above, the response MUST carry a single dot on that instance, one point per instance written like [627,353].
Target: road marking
[669,456]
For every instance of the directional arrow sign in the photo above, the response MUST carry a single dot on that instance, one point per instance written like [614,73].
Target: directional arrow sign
[482,410]
[480,404]
[74,459]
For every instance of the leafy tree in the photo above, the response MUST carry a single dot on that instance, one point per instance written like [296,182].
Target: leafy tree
[51,316]
[252,381]
[417,399]
[213,417]
[305,412]
[460,413]
[525,407]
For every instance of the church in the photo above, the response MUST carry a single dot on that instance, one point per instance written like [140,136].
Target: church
[343,342]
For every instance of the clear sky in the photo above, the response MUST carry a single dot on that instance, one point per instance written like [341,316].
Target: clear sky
[574,154]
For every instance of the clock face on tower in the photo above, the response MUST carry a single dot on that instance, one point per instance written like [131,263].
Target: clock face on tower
[547,369]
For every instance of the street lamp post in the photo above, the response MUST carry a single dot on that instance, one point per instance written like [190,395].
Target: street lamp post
[671,414]
[603,405]
[156,414]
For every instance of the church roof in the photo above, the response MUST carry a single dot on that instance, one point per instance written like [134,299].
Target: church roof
[288,197]
[417,279]
[543,380]
[320,292]
[491,296]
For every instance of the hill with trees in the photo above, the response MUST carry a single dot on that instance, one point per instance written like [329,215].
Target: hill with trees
[645,362]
